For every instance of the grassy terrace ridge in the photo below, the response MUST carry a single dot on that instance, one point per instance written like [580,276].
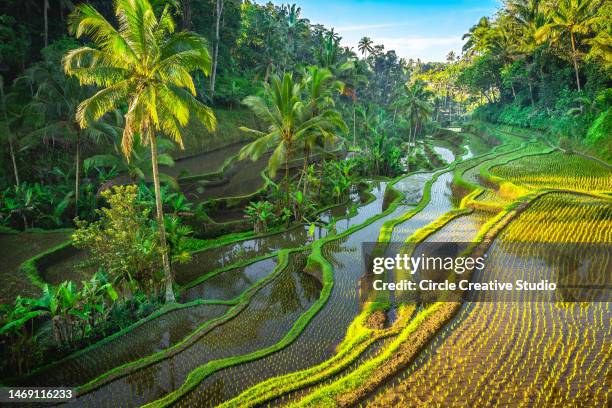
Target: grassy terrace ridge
[359,337]
[238,304]
[190,192]
[346,390]
[316,261]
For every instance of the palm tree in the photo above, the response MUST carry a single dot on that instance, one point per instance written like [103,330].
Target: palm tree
[5,126]
[145,65]
[289,118]
[56,100]
[329,50]
[477,36]
[292,25]
[213,75]
[570,18]
[319,84]
[138,167]
[416,107]
[365,45]
[529,17]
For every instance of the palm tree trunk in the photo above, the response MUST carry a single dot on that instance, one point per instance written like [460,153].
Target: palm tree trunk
[186,14]
[287,179]
[354,124]
[46,18]
[77,176]
[213,75]
[160,220]
[305,171]
[14,160]
[531,93]
[575,60]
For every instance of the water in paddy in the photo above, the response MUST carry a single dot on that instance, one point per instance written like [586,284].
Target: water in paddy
[16,249]
[202,163]
[216,258]
[439,203]
[319,339]
[230,284]
[462,229]
[446,154]
[242,178]
[268,317]
[66,264]
[150,337]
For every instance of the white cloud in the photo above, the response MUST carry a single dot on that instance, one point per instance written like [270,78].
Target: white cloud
[361,27]
[425,48]
[417,44]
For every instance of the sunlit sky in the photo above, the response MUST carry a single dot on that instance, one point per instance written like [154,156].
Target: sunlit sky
[414,29]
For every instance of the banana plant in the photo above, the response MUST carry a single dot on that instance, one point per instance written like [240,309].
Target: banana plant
[178,239]
[17,326]
[97,297]
[259,213]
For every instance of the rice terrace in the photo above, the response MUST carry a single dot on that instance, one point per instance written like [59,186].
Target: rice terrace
[234,203]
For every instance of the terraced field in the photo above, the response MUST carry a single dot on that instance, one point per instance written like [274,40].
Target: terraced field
[280,319]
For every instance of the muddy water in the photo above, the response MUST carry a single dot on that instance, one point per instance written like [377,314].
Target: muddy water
[268,317]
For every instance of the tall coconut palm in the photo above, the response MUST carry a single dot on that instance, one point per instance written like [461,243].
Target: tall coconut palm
[416,107]
[529,16]
[477,36]
[289,119]
[213,75]
[319,85]
[146,65]
[569,18]
[365,45]
[56,100]
[6,133]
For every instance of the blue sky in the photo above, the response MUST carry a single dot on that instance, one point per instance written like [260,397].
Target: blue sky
[414,29]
